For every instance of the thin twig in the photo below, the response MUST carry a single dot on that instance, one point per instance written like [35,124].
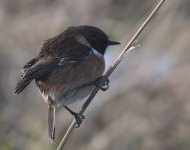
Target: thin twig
[108,73]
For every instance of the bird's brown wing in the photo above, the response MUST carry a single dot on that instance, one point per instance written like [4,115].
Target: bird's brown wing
[38,68]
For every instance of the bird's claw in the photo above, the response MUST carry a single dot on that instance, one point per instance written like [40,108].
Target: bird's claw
[78,117]
[102,85]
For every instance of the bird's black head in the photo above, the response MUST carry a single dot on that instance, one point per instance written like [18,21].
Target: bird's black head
[93,35]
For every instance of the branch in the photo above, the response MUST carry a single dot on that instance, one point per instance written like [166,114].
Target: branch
[109,72]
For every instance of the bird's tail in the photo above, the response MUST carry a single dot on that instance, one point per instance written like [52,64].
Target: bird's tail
[51,121]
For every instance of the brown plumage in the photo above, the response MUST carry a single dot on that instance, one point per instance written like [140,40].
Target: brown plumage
[66,68]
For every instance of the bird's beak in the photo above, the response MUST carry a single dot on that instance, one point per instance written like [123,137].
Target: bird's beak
[112,43]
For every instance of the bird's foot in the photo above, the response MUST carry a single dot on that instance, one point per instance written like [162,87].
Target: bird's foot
[103,85]
[78,117]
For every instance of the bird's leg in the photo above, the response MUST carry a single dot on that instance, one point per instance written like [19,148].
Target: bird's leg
[78,117]
[103,85]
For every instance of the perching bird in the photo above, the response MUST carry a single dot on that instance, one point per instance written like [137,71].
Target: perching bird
[67,69]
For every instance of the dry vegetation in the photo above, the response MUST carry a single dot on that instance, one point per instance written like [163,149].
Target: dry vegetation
[148,104]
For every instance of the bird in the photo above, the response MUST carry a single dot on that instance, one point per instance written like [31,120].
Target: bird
[68,68]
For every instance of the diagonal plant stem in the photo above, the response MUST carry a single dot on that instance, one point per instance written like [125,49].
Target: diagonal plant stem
[109,72]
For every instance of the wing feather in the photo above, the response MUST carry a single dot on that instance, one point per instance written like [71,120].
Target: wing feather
[43,67]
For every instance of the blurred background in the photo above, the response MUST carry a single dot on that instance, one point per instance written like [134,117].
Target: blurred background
[147,106]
